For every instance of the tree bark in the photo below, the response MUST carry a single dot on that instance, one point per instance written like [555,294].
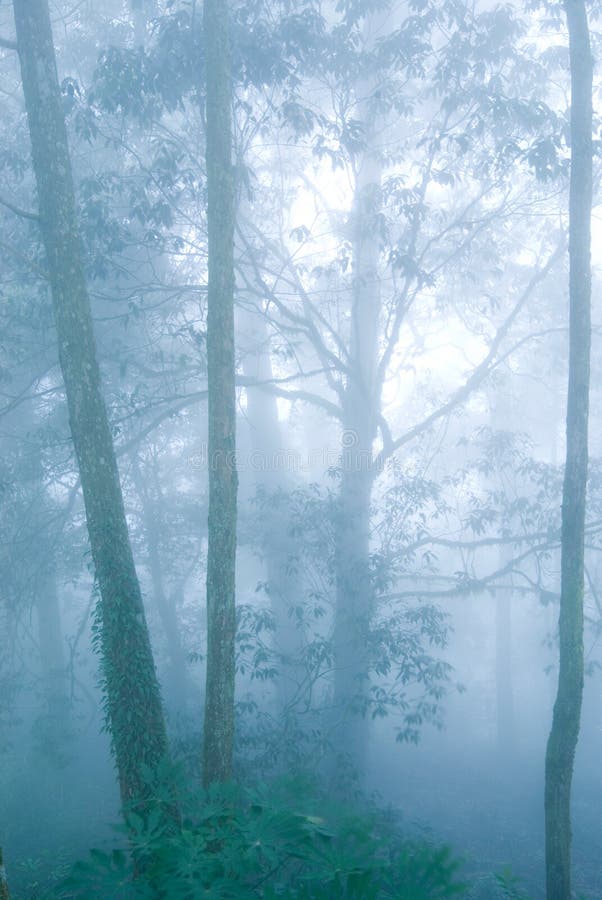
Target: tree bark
[563,737]
[177,684]
[278,546]
[141,10]
[4,893]
[223,480]
[354,595]
[503,418]
[51,641]
[133,702]
[52,656]
[504,691]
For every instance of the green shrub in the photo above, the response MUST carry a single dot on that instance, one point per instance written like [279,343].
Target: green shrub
[262,844]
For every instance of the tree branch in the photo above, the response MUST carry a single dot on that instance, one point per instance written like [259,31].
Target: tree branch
[480,373]
[23,213]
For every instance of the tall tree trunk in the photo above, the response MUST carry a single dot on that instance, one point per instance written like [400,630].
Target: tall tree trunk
[132,693]
[354,608]
[53,663]
[504,692]
[223,480]
[563,737]
[4,894]
[52,655]
[503,419]
[176,687]
[278,546]
[354,595]
[141,10]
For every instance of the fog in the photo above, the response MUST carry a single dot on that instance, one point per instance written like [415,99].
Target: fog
[282,449]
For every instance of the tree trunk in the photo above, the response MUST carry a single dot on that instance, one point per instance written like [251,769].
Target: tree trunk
[52,657]
[504,690]
[133,702]
[4,894]
[51,642]
[278,546]
[563,737]
[177,683]
[354,596]
[223,479]
[141,10]
[503,419]
[354,608]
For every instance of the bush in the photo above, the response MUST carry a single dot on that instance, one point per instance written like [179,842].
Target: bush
[264,844]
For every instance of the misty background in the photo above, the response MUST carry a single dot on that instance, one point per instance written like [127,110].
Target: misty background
[401,324]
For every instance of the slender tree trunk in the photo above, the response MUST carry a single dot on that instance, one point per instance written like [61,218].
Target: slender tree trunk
[52,655]
[141,10]
[223,479]
[503,418]
[503,674]
[354,608]
[4,894]
[277,544]
[53,663]
[567,709]
[152,519]
[354,595]
[132,693]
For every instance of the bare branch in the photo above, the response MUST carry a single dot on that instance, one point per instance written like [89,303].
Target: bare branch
[23,213]
[329,359]
[482,370]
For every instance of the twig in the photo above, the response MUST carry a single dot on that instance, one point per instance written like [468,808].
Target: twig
[24,213]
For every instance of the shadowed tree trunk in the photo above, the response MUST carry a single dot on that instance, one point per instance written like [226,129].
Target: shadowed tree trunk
[278,546]
[50,636]
[504,691]
[133,702]
[223,481]
[141,11]
[563,737]
[52,656]
[177,683]
[503,418]
[4,894]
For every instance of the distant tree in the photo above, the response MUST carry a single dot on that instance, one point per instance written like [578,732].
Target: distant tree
[152,508]
[133,701]
[221,367]
[564,734]
[360,401]
[397,247]
[141,9]
[4,894]
[272,482]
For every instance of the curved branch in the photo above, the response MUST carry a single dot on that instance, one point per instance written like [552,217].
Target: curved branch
[480,373]
[23,213]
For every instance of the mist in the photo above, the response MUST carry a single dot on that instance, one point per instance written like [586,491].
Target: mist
[301,457]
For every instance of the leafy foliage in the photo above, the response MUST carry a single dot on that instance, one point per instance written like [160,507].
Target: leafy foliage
[407,676]
[268,843]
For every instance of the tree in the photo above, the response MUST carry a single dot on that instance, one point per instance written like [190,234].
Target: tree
[398,247]
[152,509]
[133,701]
[360,405]
[562,742]
[4,894]
[223,479]
[277,546]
